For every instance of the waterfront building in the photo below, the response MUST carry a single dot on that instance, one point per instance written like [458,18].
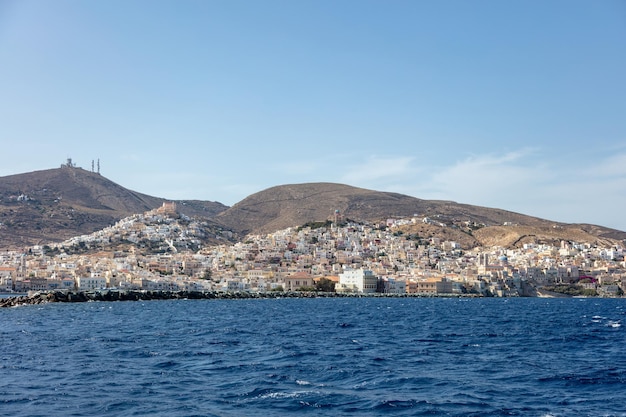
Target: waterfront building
[298,280]
[390,285]
[90,283]
[357,280]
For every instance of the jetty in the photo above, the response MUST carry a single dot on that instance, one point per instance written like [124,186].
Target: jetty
[45,297]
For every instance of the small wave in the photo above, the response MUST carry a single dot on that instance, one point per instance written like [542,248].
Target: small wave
[399,404]
[428,340]
[278,395]
[166,365]
[599,377]
[259,393]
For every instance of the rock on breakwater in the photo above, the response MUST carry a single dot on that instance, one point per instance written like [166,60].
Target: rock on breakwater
[44,297]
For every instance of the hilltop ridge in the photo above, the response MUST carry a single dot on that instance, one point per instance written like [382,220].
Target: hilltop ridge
[56,204]
[296,204]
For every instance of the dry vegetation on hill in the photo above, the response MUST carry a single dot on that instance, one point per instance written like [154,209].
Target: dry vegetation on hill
[509,237]
[426,231]
[56,204]
[293,205]
[517,236]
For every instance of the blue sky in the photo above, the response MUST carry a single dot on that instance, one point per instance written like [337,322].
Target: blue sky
[519,105]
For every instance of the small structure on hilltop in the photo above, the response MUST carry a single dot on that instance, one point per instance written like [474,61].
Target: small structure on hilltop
[68,164]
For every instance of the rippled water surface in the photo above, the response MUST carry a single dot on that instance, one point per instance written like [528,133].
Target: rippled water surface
[396,356]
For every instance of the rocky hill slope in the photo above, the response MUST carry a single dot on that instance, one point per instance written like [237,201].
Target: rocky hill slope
[293,205]
[57,204]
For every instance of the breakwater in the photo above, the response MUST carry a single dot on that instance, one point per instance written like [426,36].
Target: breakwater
[45,297]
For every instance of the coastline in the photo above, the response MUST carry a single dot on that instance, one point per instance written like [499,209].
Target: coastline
[58,296]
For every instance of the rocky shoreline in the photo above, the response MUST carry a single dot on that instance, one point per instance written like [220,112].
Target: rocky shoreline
[45,297]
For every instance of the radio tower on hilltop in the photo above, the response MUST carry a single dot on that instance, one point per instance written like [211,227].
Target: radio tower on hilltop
[92,167]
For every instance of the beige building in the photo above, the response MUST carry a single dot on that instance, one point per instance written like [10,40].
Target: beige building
[298,280]
[429,286]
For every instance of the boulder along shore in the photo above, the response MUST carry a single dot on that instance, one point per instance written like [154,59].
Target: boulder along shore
[45,297]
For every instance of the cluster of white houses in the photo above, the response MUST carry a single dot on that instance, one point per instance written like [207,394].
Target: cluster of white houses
[350,281]
[355,257]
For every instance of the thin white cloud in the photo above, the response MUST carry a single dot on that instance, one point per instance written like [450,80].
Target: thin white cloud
[534,184]
[612,166]
[376,169]
[483,178]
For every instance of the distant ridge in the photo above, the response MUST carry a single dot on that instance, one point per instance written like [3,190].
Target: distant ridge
[56,204]
[295,204]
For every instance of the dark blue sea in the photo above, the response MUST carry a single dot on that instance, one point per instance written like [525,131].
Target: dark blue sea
[322,357]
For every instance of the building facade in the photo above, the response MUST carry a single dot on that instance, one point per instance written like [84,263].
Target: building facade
[357,280]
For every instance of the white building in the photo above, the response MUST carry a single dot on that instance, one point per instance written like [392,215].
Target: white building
[6,283]
[91,283]
[357,280]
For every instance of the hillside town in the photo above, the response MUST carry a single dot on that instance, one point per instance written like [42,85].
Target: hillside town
[162,250]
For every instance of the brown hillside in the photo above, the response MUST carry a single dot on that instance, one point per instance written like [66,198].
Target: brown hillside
[56,204]
[509,237]
[427,231]
[53,205]
[296,204]
[293,205]
[517,236]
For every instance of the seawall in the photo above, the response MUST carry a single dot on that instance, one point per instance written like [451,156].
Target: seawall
[45,297]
